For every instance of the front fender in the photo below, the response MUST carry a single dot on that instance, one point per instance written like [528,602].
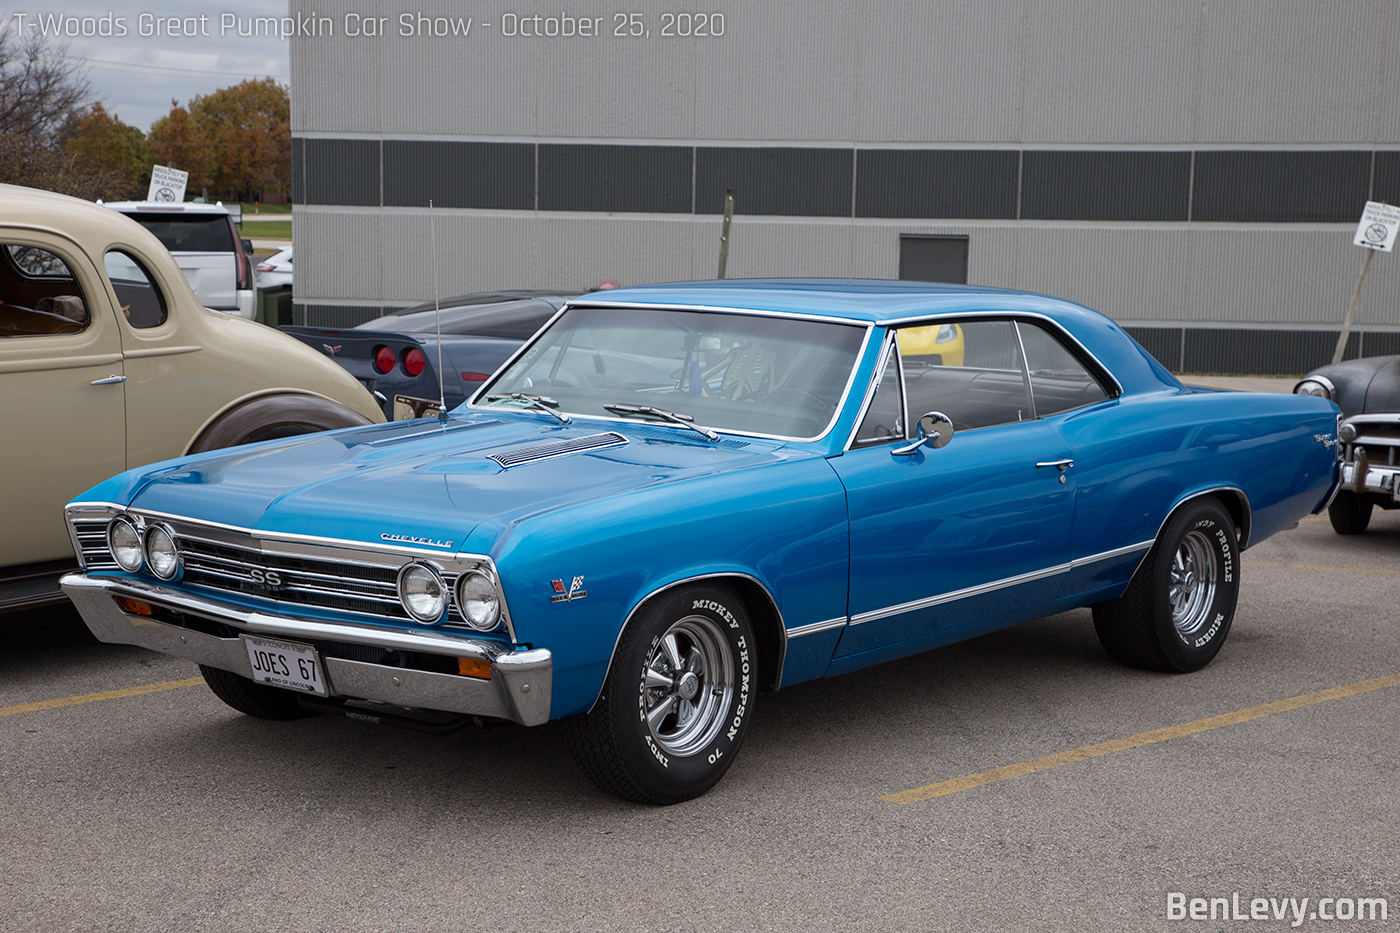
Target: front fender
[574,576]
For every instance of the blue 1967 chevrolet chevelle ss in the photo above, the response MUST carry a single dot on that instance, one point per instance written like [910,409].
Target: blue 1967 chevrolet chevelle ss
[676,497]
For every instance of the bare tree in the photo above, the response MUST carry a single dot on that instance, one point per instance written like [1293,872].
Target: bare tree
[40,91]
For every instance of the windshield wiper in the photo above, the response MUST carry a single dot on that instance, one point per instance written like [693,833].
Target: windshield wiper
[533,401]
[648,411]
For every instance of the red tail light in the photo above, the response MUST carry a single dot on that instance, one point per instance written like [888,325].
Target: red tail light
[384,359]
[414,362]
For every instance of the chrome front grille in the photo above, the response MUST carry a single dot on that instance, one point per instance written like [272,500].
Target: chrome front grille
[342,577]
[288,578]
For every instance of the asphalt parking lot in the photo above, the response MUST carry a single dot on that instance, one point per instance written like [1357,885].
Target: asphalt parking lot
[134,800]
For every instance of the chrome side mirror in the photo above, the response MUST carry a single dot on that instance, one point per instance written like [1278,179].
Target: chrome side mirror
[934,429]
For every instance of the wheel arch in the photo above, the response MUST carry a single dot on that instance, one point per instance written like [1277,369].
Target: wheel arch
[758,602]
[1231,498]
[274,408]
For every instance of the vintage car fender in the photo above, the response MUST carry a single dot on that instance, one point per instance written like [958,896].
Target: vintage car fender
[272,414]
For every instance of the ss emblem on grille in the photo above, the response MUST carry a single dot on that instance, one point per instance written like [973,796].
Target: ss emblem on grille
[265,577]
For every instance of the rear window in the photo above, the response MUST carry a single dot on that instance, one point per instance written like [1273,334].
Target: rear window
[189,233]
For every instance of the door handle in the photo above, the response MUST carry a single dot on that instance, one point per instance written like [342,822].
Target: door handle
[1060,465]
[110,380]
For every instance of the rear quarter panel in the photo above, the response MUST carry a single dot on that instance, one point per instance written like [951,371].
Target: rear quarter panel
[1139,457]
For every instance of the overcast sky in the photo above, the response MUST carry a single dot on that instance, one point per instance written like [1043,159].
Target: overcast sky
[136,76]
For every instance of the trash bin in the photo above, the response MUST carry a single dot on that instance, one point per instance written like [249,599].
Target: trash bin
[274,306]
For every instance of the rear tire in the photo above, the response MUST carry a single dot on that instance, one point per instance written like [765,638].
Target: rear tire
[1177,610]
[253,699]
[1350,513]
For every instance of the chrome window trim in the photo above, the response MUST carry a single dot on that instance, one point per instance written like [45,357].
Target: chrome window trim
[816,627]
[1025,369]
[1037,316]
[872,387]
[994,585]
[837,410]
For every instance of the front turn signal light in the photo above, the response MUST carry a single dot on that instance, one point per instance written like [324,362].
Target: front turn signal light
[474,667]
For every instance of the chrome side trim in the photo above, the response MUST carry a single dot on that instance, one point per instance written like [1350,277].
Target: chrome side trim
[783,633]
[520,688]
[994,585]
[816,627]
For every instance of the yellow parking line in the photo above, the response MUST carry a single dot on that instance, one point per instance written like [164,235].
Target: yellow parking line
[1260,563]
[944,788]
[94,697]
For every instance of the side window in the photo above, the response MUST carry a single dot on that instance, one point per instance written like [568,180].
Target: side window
[968,370]
[137,295]
[39,294]
[884,419]
[1059,380]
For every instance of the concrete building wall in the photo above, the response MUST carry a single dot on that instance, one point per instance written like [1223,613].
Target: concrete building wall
[1194,170]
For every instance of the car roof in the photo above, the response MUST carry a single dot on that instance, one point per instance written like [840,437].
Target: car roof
[871,301]
[165,207]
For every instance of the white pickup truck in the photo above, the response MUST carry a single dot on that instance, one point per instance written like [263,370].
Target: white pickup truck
[206,246]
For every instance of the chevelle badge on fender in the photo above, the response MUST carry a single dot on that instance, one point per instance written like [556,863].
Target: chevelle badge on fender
[762,482]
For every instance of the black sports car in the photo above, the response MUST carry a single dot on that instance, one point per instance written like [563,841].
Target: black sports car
[396,356]
[1368,393]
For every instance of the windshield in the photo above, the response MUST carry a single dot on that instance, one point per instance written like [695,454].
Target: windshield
[731,372]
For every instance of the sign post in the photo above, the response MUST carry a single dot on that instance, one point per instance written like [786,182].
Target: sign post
[167,185]
[1380,222]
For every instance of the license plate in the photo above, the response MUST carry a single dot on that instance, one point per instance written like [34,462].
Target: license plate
[285,664]
[406,407]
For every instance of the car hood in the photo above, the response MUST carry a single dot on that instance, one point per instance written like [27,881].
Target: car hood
[1383,393]
[1364,386]
[432,484]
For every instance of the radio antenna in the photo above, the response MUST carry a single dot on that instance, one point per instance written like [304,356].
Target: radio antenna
[437,316]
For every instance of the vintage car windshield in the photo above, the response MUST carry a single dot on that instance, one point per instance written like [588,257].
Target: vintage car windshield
[747,373]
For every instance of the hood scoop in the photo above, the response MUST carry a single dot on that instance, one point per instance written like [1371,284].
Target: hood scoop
[577,445]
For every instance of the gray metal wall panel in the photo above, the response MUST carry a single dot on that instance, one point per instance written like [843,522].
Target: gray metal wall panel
[1107,71]
[1297,71]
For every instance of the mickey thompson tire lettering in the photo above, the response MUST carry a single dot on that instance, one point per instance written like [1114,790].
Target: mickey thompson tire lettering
[677,700]
[1176,612]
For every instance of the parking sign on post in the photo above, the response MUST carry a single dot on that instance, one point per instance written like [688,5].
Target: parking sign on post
[1379,225]
[167,185]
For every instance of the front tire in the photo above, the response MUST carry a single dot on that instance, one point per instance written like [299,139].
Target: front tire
[676,702]
[1177,610]
[253,699]
[1349,513]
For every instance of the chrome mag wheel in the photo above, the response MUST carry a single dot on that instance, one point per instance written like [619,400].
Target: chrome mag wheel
[688,686]
[1193,581]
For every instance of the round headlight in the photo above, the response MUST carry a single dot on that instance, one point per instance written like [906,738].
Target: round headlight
[124,541]
[1313,387]
[478,600]
[422,593]
[161,555]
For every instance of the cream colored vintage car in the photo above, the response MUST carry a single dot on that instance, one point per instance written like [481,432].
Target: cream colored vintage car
[108,361]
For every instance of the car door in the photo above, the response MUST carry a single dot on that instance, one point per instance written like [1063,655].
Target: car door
[64,413]
[966,537]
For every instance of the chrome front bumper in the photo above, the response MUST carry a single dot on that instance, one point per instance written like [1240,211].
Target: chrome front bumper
[1361,476]
[519,688]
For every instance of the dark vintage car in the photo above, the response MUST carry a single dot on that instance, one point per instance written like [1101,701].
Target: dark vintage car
[676,497]
[1368,393]
[396,356]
